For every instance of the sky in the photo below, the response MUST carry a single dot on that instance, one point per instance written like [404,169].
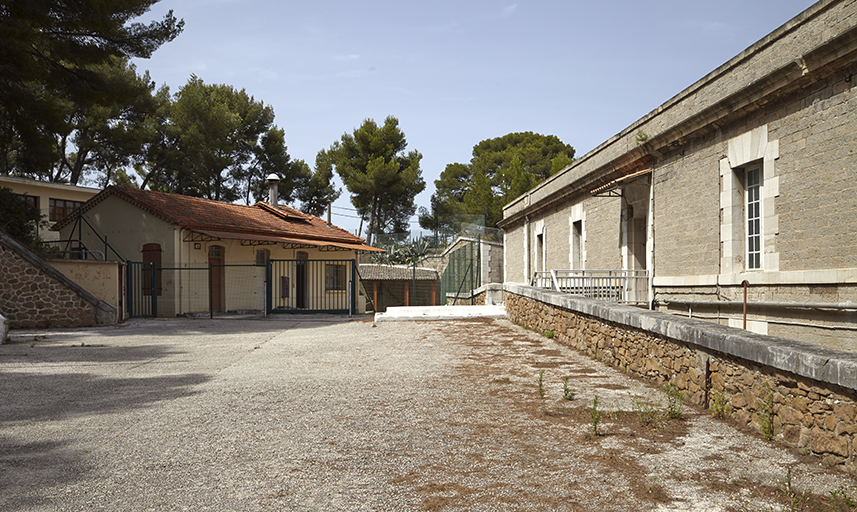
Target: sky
[455,73]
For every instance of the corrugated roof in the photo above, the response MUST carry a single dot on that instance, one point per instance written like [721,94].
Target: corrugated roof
[200,214]
[378,272]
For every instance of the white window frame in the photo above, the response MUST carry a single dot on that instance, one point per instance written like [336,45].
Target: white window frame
[748,151]
[753,218]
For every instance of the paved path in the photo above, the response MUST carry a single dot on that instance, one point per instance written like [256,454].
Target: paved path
[315,413]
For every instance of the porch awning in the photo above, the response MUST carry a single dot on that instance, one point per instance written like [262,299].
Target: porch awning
[288,242]
[620,181]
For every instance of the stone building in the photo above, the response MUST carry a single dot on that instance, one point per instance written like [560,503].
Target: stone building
[743,183]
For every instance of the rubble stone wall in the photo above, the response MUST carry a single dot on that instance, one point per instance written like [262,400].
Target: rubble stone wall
[35,295]
[806,394]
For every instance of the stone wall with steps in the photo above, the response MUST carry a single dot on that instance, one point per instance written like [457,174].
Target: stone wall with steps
[35,295]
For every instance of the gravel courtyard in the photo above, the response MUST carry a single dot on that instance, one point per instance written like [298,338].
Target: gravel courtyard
[319,413]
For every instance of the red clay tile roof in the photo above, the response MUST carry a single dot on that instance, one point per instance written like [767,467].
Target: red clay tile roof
[205,214]
[378,272]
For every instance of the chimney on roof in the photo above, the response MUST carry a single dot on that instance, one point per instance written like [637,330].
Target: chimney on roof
[328,212]
[273,186]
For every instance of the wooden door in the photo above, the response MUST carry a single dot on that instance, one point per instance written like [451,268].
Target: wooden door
[216,260]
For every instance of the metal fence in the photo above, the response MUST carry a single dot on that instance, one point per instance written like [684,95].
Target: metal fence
[463,273]
[624,286]
[312,286]
[280,286]
[194,290]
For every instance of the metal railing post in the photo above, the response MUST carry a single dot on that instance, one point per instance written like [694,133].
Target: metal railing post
[210,293]
[154,289]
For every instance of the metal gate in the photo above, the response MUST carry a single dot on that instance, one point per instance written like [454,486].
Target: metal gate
[311,286]
[140,295]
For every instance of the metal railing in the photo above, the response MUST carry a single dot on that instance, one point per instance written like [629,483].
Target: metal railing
[625,286]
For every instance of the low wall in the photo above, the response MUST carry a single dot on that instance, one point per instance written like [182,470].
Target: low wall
[491,293]
[34,294]
[813,389]
[100,278]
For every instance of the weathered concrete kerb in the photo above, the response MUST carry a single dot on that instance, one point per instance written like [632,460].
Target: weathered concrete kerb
[319,413]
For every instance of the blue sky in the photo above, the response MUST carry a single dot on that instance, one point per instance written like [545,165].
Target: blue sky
[457,72]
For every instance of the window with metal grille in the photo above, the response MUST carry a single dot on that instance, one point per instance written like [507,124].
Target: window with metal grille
[31,200]
[334,276]
[753,208]
[262,257]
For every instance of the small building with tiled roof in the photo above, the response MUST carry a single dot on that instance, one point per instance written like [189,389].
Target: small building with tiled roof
[213,256]
[399,285]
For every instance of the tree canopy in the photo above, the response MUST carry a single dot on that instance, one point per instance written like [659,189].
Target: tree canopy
[382,178]
[52,52]
[501,169]
[18,218]
[319,189]
[217,142]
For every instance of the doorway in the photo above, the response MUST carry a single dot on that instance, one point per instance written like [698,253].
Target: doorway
[300,279]
[216,260]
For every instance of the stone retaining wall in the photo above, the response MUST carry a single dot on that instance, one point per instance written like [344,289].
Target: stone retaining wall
[34,294]
[812,391]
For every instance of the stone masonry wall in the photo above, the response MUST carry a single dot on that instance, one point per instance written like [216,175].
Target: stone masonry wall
[33,294]
[806,413]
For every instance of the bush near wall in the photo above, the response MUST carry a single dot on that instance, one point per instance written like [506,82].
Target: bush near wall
[806,413]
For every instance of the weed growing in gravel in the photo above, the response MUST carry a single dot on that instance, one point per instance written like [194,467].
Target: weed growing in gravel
[793,498]
[648,414]
[596,416]
[549,334]
[566,393]
[842,501]
[766,414]
[541,383]
[719,405]
[674,401]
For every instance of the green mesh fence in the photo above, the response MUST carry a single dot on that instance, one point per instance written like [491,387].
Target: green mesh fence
[462,274]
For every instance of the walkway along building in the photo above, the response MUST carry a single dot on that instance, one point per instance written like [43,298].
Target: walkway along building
[747,177]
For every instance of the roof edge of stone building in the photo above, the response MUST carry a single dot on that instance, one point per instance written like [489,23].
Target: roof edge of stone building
[782,64]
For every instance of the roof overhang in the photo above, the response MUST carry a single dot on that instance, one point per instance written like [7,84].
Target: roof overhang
[207,235]
[608,188]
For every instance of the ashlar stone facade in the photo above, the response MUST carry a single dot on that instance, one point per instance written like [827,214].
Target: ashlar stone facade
[748,175]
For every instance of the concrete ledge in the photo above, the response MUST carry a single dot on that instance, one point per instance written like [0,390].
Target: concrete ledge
[405,313]
[803,359]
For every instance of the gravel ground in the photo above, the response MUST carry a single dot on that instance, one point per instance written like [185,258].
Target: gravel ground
[319,413]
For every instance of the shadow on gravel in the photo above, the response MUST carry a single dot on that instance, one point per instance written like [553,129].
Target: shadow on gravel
[41,397]
[23,464]
[188,326]
[77,349]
